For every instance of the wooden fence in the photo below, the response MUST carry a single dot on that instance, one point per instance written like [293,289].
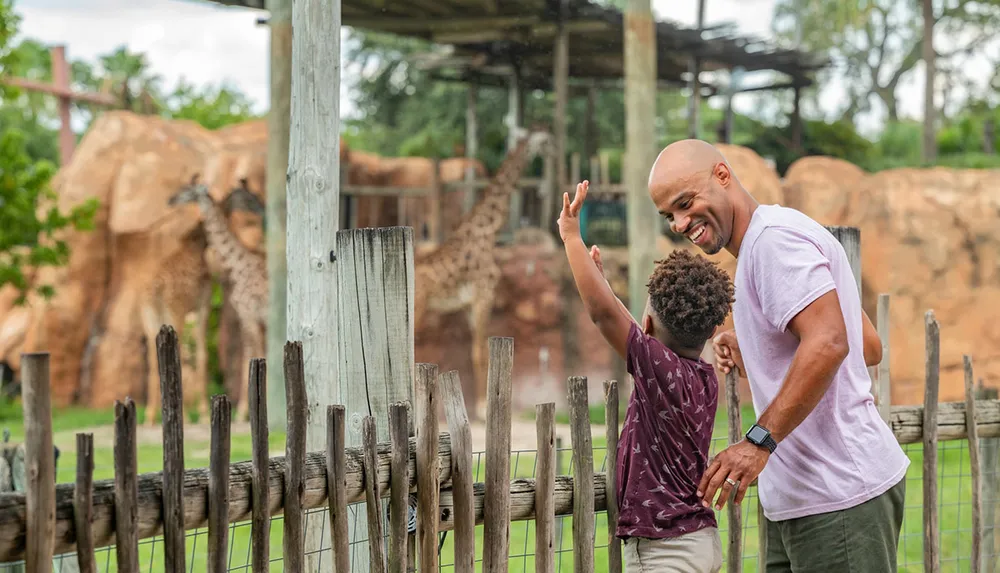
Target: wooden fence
[49,519]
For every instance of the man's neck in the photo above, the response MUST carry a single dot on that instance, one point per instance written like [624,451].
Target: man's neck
[743,209]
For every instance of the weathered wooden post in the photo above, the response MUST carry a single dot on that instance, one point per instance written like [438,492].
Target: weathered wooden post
[313,203]
[932,536]
[278,133]
[375,332]
[39,463]
[640,151]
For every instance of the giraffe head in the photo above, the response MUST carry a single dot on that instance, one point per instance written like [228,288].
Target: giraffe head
[193,192]
[539,140]
[241,198]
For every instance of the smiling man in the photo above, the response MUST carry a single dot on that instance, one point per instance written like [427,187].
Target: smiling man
[830,473]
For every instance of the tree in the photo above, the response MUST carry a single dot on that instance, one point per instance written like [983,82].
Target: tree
[30,221]
[212,107]
[876,44]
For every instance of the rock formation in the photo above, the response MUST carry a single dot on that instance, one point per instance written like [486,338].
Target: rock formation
[929,238]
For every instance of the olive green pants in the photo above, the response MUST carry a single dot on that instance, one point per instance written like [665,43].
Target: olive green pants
[860,539]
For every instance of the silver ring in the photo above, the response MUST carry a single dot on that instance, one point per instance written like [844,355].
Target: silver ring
[731,481]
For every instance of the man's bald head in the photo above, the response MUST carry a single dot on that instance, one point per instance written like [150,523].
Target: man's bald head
[684,159]
[694,187]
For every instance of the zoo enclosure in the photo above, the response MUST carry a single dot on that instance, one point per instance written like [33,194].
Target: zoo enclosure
[432,472]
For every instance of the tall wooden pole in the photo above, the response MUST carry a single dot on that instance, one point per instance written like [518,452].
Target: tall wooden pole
[930,141]
[313,216]
[695,68]
[278,118]
[640,151]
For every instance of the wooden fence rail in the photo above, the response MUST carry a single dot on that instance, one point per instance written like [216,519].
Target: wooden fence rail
[87,515]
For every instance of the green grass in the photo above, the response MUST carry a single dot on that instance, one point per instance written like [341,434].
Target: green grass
[954,495]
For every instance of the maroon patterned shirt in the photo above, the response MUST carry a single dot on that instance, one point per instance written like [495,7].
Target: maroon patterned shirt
[664,444]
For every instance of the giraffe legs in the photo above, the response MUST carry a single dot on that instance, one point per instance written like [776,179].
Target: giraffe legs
[201,350]
[479,315]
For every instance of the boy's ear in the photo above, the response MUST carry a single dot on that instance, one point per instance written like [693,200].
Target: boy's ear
[647,324]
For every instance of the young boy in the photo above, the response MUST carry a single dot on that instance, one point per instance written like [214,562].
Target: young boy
[665,439]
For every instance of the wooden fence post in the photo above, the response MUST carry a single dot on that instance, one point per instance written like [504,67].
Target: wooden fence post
[975,468]
[884,394]
[611,495]
[172,404]
[496,504]
[336,487]
[545,483]
[83,508]
[933,364]
[583,477]
[260,525]
[989,458]
[399,487]
[39,463]
[373,501]
[295,453]
[126,488]
[734,559]
[375,332]
[461,472]
[428,487]
[218,486]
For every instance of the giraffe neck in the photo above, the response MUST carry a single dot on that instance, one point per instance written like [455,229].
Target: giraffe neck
[491,211]
[228,248]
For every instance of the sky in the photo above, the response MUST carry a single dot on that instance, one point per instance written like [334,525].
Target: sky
[207,43]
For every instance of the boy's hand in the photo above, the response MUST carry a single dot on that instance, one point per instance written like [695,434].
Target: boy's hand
[569,218]
[595,254]
[727,352]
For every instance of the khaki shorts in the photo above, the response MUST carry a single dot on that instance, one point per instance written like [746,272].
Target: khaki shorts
[696,552]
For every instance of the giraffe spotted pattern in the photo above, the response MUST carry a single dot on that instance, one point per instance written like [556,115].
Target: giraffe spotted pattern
[663,450]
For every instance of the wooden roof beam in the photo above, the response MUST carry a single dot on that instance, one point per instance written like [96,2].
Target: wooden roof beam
[440,25]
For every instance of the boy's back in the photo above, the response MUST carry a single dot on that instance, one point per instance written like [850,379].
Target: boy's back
[664,441]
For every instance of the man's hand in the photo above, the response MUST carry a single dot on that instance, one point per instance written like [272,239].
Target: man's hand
[727,352]
[741,462]
[569,218]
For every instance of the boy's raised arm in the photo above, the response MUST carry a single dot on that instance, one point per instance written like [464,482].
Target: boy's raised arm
[604,308]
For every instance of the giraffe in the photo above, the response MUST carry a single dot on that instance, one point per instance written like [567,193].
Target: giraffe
[245,270]
[463,272]
[183,285]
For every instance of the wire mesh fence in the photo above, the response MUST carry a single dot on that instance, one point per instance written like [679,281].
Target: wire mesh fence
[954,506]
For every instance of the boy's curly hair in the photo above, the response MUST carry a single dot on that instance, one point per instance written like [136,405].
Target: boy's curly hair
[690,295]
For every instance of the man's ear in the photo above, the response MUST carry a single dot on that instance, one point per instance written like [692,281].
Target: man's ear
[647,324]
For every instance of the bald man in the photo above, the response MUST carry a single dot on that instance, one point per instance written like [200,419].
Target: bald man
[830,474]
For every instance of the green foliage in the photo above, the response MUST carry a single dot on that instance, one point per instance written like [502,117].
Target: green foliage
[212,107]
[836,139]
[29,218]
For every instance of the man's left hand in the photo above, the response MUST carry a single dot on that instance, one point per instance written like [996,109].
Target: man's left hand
[741,462]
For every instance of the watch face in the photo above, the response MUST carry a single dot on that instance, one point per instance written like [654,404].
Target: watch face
[757,434]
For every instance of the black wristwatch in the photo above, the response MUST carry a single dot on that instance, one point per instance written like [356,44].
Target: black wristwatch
[761,436]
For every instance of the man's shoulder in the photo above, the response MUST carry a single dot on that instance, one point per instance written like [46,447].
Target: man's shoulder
[775,225]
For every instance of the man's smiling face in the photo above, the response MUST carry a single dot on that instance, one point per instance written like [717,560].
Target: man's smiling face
[697,206]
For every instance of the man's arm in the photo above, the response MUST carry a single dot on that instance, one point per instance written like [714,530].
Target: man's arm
[872,341]
[822,348]
[604,308]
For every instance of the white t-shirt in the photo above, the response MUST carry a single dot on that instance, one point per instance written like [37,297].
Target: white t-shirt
[842,454]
